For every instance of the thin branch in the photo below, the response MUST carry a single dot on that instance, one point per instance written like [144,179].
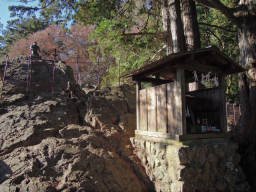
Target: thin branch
[146,23]
[145,33]
[218,27]
[44,7]
[157,52]
[26,9]
[218,39]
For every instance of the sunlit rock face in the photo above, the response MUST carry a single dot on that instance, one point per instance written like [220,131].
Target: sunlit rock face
[52,141]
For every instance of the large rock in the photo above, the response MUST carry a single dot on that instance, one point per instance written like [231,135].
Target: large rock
[28,116]
[80,160]
[49,142]
[41,77]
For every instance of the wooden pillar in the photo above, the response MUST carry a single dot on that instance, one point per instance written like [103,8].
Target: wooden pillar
[138,87]
[180,102]
[223,118]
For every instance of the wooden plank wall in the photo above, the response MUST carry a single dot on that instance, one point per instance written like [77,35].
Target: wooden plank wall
[152,109]
[161,108]
[180,102]
[157,111]
[171,110]
[138,87]
[143,110]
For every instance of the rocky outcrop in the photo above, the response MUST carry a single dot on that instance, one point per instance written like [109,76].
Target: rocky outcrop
[32,113]
[50,142]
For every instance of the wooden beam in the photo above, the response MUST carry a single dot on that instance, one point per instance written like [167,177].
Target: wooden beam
[203,136]
[153,80]
[138,87]
[143,116]
[156,70]
[197,66]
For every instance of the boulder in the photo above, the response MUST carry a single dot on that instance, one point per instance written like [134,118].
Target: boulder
[51,142]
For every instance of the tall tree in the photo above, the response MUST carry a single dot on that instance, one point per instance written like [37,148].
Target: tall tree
[244,16]
[178,38]
[167,26]
[173,26]
[191,28]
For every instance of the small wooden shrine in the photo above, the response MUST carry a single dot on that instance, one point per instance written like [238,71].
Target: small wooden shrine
[182,96]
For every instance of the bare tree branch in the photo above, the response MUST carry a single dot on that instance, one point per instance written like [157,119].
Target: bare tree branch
[220,41]
[44,7]
[145,33]
[218,27]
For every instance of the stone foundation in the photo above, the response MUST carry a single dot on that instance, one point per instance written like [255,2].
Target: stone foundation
[194,166]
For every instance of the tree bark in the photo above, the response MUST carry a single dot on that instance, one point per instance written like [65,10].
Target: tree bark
[247,47]
[191,29]
[167,27]
[178,38]
[247,59]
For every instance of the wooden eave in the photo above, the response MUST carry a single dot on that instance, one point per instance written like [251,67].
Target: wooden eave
[201,60]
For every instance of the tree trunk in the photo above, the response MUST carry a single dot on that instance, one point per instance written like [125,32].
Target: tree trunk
[247,47]
[191,28]
[167,27]
[178,38]
[247,130]
[244,16]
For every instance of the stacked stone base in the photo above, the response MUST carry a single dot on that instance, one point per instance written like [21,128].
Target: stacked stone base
[197,166]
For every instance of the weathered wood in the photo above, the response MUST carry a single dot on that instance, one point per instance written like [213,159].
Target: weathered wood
[180,102]
[203,136]
[138,87]
[158,70]
[153,80]
[203,56]
[223,119]
[220,138]
[197,66]
[143,110]
[152,105]
[153,134]
[171,109]
[161,108]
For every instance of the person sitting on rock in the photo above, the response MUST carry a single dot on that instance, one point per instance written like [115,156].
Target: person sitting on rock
[34,50]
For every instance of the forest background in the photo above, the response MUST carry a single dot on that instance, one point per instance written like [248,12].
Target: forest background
[108,36]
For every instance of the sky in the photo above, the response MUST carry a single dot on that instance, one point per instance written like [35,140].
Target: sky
[4,11]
